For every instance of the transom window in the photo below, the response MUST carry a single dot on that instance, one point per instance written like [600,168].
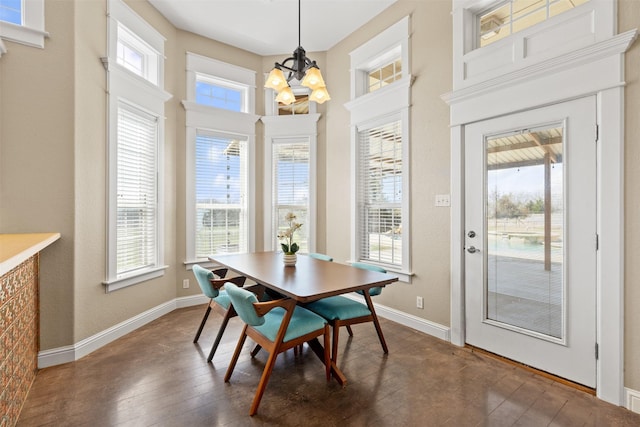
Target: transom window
[297,107]
[220,94]
[136,55]
[22,21]
[11,11]
[509,17]
[385,75]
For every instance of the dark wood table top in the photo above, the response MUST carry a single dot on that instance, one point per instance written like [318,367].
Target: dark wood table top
[311,279]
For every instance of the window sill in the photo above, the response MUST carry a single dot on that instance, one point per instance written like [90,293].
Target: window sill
[402,275]
[123,282]
[23,35]
[206,263]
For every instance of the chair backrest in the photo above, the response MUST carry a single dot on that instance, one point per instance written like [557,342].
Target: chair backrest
[377,290]
[322,257]
[204,277]
[242,301]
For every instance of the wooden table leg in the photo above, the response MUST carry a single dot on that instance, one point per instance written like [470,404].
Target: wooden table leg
[319,351]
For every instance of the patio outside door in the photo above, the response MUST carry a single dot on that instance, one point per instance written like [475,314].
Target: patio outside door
[530,238]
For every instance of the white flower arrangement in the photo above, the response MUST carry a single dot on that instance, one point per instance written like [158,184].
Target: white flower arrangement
[289,247]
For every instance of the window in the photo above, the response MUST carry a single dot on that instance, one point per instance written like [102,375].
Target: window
[291,186]
[22,21]
[219,94]
[509,17]
[380,110]
[221,194]
[385,75]
[297,107]
[11,11]
[137,190]
[135,244]
[380,194]
[220,136]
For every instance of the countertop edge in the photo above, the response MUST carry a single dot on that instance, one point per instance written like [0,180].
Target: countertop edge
[25,253]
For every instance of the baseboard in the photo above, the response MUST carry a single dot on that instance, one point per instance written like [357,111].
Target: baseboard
[66,354]
[632,399]
[414,322]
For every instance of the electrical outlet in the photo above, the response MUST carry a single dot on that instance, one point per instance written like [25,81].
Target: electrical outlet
[419,302]
[185,284]
[442,200]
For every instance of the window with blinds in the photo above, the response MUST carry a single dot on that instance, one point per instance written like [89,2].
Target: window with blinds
[291,186]
[137,190]
[220,194]
[380,194]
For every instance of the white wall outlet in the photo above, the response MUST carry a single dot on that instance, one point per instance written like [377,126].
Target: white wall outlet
[419,302]
[442,200]
[185,284]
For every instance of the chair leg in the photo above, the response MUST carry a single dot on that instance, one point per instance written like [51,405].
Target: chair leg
[374,317]
[256,350]
[225,321]
[204,320]
[263,382]
[327,358]
[349,330]
[236,354]
[334,345]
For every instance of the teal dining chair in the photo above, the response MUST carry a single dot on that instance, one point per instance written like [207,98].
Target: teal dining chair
[219,301]
[341,311]
[276,326]
[321,257]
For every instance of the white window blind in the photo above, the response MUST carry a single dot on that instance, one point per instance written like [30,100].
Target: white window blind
[291,188]
[137,192]
[380,194]
[221,200]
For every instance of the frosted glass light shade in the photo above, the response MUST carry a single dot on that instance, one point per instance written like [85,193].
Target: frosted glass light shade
[286,96]
[320,95]
[313,79]
[276,80]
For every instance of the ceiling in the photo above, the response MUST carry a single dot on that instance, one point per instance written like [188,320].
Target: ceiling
[270,27]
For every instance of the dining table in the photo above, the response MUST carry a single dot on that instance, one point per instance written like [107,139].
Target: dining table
[308,280]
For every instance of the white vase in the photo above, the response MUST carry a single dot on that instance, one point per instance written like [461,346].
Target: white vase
[289,260]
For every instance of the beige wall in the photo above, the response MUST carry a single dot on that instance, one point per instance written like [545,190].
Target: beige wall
[37,153]
[628,19]
[431,56]
[53,163]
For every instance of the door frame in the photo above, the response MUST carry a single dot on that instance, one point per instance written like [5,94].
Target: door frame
[601,70]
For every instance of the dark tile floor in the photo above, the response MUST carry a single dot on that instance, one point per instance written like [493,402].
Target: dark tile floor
[156,376]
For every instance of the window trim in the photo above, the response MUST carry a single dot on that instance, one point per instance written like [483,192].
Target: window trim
[217,120]
[302,126]
[124,86]
[369,109]
[31,32]
[391,44]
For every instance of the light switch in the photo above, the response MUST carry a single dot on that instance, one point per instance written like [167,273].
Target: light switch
[442,200]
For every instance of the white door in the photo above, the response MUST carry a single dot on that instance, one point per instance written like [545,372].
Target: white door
[530,238]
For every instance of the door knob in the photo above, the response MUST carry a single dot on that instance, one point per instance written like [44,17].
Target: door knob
[472,249]
[471,234]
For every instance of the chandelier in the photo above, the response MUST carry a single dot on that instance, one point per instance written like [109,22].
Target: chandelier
[303,70]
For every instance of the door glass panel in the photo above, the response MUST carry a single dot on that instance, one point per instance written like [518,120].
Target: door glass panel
[524,231]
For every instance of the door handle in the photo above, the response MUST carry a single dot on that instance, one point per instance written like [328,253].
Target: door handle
[472,249]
